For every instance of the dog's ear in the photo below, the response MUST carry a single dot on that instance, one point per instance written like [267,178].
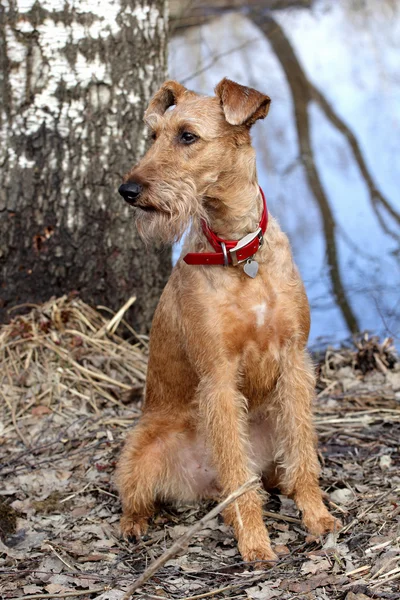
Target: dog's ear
[168,95]
[241,105]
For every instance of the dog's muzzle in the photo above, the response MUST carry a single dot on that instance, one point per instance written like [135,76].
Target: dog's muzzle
[130,192]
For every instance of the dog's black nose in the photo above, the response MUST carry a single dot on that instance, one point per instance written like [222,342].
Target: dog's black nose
[130,191]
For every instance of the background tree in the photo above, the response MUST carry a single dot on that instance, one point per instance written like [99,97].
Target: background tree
[75,78]
[307,95]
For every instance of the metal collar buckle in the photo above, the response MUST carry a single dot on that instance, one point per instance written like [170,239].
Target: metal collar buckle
[250,237]
[225,253]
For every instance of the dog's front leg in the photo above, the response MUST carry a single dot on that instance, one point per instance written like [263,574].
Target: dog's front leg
[223,413]
[296,452]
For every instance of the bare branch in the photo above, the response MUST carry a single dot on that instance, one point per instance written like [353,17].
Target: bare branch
[216,58]
[182,542]
[301,92]
[375,194]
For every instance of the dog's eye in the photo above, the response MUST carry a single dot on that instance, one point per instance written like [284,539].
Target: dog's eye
[153,135]
[187,138]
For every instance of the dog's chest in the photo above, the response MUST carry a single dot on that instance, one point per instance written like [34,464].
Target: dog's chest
[255,316]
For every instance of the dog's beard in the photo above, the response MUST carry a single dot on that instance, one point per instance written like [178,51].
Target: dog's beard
[173,206]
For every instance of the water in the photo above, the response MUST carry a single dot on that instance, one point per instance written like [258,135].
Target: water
[351,55]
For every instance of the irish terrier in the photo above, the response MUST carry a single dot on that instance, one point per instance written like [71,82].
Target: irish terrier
[230,383]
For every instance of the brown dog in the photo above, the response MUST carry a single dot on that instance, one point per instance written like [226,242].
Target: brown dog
[230,383]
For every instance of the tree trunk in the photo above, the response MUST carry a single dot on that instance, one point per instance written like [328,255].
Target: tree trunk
[75,78]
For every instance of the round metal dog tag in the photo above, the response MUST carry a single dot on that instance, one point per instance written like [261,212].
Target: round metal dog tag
[251,268]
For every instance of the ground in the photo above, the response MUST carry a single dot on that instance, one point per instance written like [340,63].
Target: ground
[65,408]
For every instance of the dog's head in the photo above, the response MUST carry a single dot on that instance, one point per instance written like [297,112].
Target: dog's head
[201,145]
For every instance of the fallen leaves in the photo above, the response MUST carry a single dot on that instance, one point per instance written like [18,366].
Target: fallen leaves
[317,564]
[60,486]
[265,591]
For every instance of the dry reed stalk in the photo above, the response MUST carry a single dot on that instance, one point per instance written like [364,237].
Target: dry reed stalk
[65,349]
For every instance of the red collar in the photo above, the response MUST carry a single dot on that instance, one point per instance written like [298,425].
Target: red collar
[230,252]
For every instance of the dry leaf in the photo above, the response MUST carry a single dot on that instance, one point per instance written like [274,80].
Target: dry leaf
[177,531]
[385,462]
[342,496]
[47,567]
[32,589]
[281,549]
[56,588]
[38,411]
[316,565]
[110,595]
[264,591]
[320,580]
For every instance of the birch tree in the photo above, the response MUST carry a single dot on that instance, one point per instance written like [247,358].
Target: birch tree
[75,78]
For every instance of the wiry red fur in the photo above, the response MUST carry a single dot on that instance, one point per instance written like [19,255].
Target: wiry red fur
[230,383]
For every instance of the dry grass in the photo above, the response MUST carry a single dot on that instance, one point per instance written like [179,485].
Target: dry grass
[65,349]
[65,405]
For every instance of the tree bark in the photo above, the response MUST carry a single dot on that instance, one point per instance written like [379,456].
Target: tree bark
[75,78]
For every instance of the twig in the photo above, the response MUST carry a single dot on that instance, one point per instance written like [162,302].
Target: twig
[211,593]
[357,519]
[384,567]
[14,420]
[280,517]
[65,594]
[75,493]
[392,572]
[337,507]
[113,323]
[387,580]
[96,375]
[358,570]
[71,567]
[182,542]
[216,58]
[382,545]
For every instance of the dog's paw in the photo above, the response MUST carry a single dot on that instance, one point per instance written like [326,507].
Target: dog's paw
[320,523]
[255,552]
[133,528]
[262,557]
